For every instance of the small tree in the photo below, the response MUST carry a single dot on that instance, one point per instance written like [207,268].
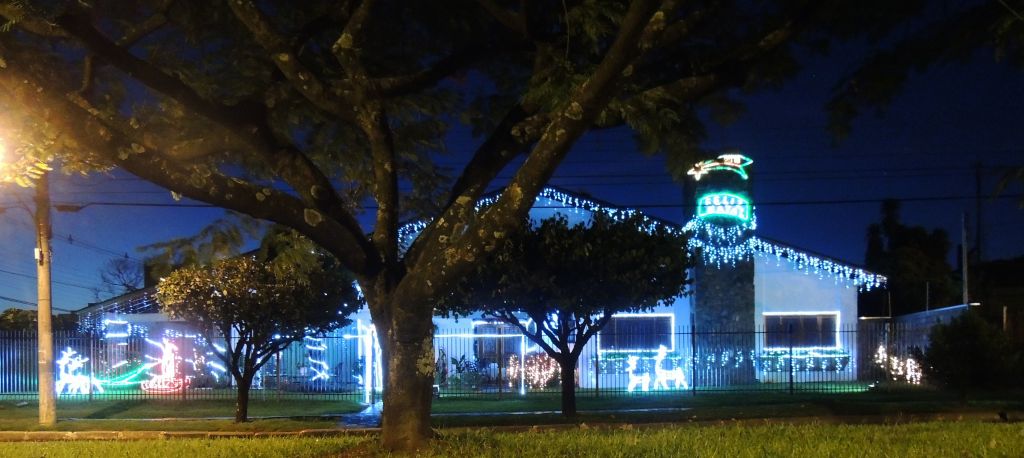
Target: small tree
[968,353]
[121,275]
[258,304]
[570,280]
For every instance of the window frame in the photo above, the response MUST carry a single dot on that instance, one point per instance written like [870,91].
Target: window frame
[671,333]
[836,340]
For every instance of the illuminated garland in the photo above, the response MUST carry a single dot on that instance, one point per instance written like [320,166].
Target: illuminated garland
[408,232]
[731,244]
[804,360]
[899,369]
[717,244]
[321,370]
[539,370]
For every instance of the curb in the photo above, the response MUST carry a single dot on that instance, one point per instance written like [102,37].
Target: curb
[51,436]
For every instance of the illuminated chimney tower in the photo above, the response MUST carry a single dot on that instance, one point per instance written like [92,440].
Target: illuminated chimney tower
[719,232]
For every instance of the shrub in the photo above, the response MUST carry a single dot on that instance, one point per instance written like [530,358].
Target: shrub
[968,353]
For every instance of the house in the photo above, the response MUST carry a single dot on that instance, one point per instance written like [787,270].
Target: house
[758,311]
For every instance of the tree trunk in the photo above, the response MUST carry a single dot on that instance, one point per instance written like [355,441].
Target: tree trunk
[408,349]
[242,399]
[568,366]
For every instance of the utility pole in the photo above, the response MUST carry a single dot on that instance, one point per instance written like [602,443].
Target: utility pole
[977,211]
[47,388]
[963,254]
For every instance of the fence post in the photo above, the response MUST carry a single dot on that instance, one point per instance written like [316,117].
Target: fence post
[693,360]
[597,370]
[279,366]
[789,332]
[501,359]
[92,362]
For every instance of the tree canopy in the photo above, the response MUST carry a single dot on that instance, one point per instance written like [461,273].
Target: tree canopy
[309,114]
[914,260]
[256,305]
[560,283]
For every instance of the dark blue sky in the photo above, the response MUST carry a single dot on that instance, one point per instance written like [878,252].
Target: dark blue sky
[924,146]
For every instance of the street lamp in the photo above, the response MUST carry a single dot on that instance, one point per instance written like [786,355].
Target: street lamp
[44,232]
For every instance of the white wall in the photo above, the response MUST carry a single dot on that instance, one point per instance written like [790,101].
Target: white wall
[780,287]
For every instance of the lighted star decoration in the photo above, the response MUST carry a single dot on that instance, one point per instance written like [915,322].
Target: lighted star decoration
[735,163]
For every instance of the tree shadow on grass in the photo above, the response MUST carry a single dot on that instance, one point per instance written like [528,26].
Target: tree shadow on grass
[112,409]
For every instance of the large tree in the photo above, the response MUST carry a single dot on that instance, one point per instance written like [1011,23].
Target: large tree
[951,34]
[301,113]
[914,260]
[257,304]
[560,284]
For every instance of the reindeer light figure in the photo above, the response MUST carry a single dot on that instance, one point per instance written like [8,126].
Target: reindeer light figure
[634,380]
[662,376]
[69,381]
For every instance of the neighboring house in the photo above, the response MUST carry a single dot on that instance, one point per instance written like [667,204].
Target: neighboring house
[762,310]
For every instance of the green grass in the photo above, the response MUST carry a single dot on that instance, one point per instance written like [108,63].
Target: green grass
[125,415]
[723,406]
[933,439]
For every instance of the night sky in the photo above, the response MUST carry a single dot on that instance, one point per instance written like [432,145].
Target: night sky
[924,146]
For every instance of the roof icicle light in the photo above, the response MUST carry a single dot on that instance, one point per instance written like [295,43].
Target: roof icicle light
[718,244]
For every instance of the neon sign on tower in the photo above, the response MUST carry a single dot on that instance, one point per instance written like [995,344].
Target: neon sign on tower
[723,204]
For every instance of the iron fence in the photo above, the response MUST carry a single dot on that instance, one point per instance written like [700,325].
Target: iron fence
[684,361]
[487,361]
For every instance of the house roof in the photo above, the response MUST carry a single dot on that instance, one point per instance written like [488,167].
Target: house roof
[144,300]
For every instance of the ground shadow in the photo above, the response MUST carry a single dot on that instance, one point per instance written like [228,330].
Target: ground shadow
[112,409]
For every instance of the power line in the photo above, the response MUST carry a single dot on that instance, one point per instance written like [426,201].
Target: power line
[19,274]
[31,304]
[78,242]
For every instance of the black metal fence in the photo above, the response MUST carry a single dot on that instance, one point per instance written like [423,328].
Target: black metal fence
[685,361]
[488,361]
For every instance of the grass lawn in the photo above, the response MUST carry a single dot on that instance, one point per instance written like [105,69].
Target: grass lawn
[933,439]
[126,415]
[720,406]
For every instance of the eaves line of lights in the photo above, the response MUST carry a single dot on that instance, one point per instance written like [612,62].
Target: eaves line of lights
[719,245]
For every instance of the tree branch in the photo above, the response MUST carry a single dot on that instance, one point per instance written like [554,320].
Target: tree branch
[514,22]
[233,122]
[15,12]
[92,134]
[401,85]
[567,125]
[301,78]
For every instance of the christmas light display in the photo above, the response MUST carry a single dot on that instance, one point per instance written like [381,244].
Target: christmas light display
[538,370]
[735,163]
[69,381]
[803,360]
[662,376]
[316,348]
[113,329]
[167,380]
[724,204]
[644,380]
[899,369]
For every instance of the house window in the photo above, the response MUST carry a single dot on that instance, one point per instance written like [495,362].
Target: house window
[801,329]
[637,333]
[495,341]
